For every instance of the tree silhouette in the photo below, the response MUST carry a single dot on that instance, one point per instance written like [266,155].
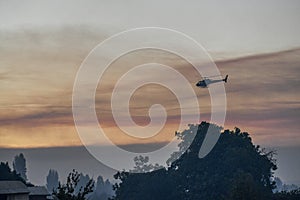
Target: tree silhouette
[52,180]
[68,191]
[142,165]
[83,181]
[233,169]
[103,190]
[19,165]
[281,187]
[7,175]
[287,195]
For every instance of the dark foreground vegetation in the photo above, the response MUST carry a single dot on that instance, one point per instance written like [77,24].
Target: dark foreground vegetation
[234,169]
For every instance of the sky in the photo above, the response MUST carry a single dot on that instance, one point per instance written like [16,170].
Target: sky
[43,43]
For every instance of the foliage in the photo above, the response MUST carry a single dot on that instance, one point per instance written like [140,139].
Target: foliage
[19,165]
[142,165]
[103,190]
[52,180]
[287,195]
[280,186]
[7,175]
[234,169]
[67,191]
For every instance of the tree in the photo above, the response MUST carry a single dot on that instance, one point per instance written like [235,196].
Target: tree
[281,187]
[83,180]
[68,191]
[243,185]
[19,165]
[103,190]
[287,195]
[142,165]
[232,170]
[7,175]
[52,180]
[285,191]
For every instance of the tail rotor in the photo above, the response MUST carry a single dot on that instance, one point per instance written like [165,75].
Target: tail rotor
[225,79]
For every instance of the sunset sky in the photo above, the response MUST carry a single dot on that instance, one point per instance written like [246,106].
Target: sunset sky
[42,45]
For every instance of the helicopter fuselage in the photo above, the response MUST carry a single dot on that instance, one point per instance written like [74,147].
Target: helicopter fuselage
[204,83]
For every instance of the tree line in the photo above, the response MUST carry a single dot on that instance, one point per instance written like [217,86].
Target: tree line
[77,186]
[235,169]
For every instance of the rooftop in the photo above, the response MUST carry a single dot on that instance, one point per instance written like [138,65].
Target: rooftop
[13,187]
[38,190]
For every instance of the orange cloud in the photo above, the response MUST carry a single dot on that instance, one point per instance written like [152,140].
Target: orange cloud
[36,92]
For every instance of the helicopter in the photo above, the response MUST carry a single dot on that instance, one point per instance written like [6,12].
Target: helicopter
[206,81]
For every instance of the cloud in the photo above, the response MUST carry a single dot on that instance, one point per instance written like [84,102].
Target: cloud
[263,98]
[36,89]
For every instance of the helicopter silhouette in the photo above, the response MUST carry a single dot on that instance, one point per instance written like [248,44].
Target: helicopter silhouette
[207,81]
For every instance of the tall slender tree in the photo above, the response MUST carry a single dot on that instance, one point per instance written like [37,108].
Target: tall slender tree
[19,165]
[52,180]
